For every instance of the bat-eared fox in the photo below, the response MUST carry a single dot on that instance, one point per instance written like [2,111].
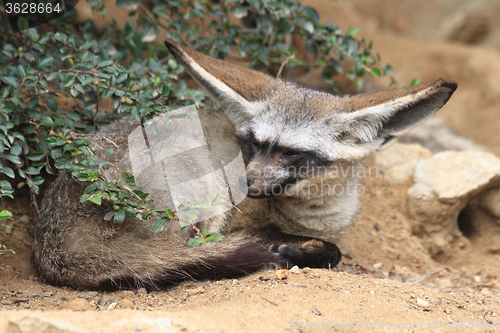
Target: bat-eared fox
[299,145]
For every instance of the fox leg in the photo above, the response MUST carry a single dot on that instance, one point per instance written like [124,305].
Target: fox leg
[301,251]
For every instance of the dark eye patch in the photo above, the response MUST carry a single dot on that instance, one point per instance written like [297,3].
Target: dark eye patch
[292,154]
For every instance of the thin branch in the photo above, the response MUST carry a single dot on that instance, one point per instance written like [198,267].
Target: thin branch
[77,71]
[283,65]
[198,232]
[99,136]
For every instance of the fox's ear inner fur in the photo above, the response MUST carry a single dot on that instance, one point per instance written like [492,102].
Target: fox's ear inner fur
[237,88]
[381,117]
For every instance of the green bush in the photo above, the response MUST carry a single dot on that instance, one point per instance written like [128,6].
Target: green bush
[42,69]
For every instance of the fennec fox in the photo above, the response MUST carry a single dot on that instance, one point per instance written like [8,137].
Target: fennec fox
[298,144]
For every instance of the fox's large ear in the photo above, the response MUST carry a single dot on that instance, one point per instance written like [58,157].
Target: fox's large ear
[378,118]
[237,88]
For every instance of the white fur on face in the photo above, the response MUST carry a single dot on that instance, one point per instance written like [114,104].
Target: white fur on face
[291,122]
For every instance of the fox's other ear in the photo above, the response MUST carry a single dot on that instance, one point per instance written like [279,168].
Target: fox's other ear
[237,88]
[380,117]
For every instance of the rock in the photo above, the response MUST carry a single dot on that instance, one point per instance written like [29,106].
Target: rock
[34,323]
[433,135]
[377,266]
[24,219]
[111,306]
[398,162]
[295,270]
[490,201]
[453,174]
[78,304]
[444,185]
[83,295]
[422,303]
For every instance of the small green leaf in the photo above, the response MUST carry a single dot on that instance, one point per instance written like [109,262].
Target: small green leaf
[376,72]
[36,156]
[109,150]
[203,206]
[119,216]
[52,104]
[415,82]
[216,199]
[105,63]
[311,47]
[5,214]
[13,158]
[149,33]
[96,200]
[214,237]
[90,188]
[22,23]
[352,32]
[239,12]
[127,4]
[32,171]
[159,225]
[9,172]
[46,61]
[16,150]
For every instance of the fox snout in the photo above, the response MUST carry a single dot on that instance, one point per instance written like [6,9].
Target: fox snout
[264,179]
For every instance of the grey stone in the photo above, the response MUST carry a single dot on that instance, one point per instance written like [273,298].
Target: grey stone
[398,162]
[452,174]
[38,324]
[444,185]
[490,201]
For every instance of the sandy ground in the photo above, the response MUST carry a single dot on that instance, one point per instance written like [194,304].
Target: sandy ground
[386,280]
[386,276]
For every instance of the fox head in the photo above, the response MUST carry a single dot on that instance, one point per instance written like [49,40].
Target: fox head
[291,133]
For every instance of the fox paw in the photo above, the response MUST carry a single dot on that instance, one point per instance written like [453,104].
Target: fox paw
[313,253]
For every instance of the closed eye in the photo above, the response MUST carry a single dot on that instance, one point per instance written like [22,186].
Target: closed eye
[255,145]
[291,154]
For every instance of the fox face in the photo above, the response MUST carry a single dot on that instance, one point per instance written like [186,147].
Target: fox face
[293,136]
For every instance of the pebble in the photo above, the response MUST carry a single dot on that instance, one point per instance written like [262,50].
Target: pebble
[485,291]
[83,295]
[112,306]
[195,291]
[377,265]
[295,270]
[422,303]
[35,323]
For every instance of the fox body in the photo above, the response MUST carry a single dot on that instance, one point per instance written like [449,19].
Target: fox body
[303,150]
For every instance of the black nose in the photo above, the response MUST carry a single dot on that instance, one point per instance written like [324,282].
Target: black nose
[245,181]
